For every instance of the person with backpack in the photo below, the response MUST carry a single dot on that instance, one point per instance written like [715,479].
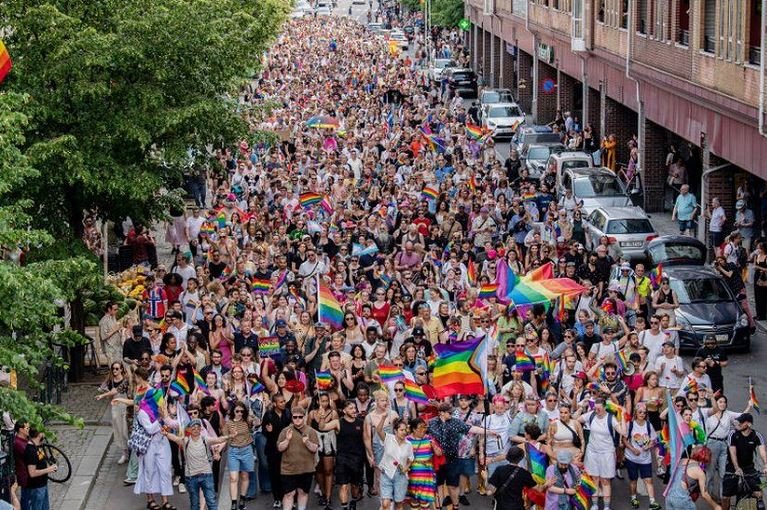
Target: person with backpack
[561,479]
[509,481]
[601,446]
[639,442]
[198,463]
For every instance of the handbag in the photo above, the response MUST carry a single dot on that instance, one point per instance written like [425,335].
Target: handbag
[139,439]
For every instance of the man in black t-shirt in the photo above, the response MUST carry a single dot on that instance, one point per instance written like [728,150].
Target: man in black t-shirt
[509,481]
[36,491]
[743,444]
[715,359]
[350,457]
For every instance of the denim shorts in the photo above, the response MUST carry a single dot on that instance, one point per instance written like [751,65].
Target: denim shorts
[394,489]
[240,458]
[636,471]
[686,225]
[466,467]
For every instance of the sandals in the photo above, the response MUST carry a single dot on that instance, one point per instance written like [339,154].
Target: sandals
[152,505]
[167,506]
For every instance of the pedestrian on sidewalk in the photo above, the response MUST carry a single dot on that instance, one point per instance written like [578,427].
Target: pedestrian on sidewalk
[199,464]
[36,492]
[116,386]
[154,465]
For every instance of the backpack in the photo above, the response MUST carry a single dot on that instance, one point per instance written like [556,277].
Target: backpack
[610,428]
[207,451]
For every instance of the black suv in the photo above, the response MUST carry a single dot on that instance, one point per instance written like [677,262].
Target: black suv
[461,81]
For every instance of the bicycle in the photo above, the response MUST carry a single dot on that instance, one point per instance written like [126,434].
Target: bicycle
[54,455]
[747,485]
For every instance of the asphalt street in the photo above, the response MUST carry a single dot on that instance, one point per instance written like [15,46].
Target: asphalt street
[110,493]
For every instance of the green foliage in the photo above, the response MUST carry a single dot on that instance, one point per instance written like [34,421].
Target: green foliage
[446,13]
[120,90]
[30,294]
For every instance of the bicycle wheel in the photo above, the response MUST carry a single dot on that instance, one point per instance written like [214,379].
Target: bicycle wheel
[56,456]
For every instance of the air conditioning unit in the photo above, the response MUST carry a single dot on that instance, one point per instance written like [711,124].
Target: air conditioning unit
[489,7]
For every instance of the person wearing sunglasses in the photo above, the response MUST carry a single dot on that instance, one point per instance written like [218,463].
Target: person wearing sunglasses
[135,346]
[116,386]
[297,443]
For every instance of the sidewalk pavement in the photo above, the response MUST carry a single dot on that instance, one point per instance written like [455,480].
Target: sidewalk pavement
[85,448]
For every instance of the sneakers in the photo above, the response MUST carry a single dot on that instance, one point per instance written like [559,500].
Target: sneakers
[181,488]
[122,460]
[634,502]
[462,499]
[594,507]
[277,504]
[176,480]
[655,506]
[128,481]
[618,474]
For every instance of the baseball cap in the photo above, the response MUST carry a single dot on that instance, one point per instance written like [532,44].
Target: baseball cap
[280,323]
[745,417]
[195,423]
[418,331]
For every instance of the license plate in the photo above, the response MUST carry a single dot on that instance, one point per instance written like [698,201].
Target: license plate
[464,82]
[722,338]
[632,244]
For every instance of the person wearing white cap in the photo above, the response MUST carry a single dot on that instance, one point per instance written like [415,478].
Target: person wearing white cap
[561,478]
[744,222]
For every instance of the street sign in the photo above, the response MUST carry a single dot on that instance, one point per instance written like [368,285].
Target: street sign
[548,86]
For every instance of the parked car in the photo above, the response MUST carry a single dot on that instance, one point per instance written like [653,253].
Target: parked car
[628,230]
[534,134]
[495,96]
[461,81]
[706,304]
[440,64]
[536,155]
[593,188]
[375,27]
[565,160]
[323,10]
[503,119]
[401,39]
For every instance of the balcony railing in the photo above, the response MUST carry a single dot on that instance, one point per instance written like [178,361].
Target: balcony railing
[754,55]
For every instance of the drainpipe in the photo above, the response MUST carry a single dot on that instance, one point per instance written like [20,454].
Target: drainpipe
[762,67]
[534,106]
[585,92]
[640,106]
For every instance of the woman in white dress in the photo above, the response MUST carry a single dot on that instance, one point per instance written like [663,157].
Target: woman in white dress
[154,468]
[600,450]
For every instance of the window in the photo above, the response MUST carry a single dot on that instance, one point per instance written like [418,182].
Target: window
[624,13]
[709,26]
[642,16]
[754,35]
[601,12]
[683,22]
[577,19]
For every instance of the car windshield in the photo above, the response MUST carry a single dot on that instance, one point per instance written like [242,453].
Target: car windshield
[442,64]
[504,111]
[538,153]
[629,226]
[666,252]
[461,76]
[597,186]
[575,163]
[496,97]
[700,290]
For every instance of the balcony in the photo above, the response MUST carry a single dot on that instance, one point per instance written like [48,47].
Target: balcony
[754,55]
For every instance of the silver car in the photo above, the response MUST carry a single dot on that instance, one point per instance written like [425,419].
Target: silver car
[503,119]
[439,65]
[593,188]
[495,96]
[628,230]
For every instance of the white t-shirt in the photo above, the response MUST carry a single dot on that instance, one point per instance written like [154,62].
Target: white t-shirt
[603,350]
[667,378]
[394,452]
[185,273]
[640,436]
[720,428]
[500,424]
[654,343]
[193,226]
[717,220]
[600,440]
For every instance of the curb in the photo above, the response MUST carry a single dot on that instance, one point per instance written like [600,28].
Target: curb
[83,480]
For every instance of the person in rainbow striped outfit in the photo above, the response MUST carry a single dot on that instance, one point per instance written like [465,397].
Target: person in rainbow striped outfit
[422,479]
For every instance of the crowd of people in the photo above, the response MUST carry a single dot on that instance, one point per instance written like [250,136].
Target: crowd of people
[223,369]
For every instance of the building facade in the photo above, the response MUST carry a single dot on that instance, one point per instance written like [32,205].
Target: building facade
[681,72]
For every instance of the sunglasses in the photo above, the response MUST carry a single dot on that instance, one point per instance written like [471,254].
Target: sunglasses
[238,411]
[399,390]
[299,417]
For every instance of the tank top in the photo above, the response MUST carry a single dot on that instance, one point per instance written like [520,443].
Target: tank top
[563,433]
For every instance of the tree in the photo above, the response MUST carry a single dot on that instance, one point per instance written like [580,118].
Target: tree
[119,92]
[446,13]
[30,293]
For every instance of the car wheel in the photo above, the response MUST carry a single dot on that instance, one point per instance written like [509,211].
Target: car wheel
[746,347]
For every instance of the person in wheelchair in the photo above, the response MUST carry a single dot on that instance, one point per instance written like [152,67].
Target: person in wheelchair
[743,443]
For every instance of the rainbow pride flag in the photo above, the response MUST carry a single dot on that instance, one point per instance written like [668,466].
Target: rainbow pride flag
[415,393]
[256,388]
[752,397]
[536,463]
[324,380]
[690,385]
[544,272]
[472,183]
[474,132]
[153,400]
[457,371]
[656,275]
[268,346]
[429,193]
[488,291]
[180,385]
[281,280]
[471,273]
[389,373]
[326,204]
[613,408]
[329,309]
[261,286]
[523,362]
[583,492]
[309,199]
[5,62]
[200,382]
[505,278]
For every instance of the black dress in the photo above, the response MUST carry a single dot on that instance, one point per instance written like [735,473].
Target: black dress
[760,289]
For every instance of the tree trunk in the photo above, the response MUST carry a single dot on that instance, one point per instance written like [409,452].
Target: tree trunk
[77,320]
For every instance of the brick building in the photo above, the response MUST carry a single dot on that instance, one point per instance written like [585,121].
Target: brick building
[682,72]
